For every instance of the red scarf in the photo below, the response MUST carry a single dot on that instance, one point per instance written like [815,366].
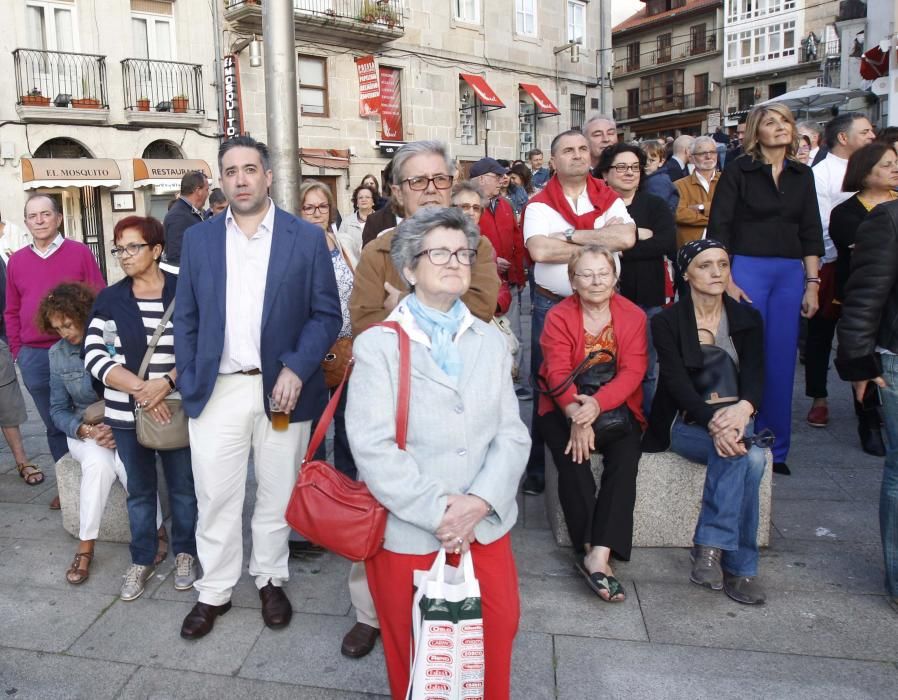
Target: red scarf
[600,195]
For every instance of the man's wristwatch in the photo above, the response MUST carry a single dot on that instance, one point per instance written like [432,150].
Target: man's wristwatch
[700,207]
[569,235]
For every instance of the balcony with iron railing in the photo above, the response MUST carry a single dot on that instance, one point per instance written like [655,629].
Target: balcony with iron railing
[60,86]
[356,23]
[667,103]
[664,56]
[162,92]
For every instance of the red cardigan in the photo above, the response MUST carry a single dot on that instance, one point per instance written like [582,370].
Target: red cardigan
[504,233]
[564,346]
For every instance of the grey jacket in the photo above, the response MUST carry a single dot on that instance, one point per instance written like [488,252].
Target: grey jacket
[464,439]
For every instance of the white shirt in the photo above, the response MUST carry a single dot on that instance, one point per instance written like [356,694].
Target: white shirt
[542,220]
[52,248]
[828,176]
[706,184]
[14,238]
[247,271]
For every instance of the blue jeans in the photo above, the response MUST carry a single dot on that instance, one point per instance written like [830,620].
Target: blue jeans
[729,515]
[536,464]
[34,364]
[651,372]
[140,466]
[888,494]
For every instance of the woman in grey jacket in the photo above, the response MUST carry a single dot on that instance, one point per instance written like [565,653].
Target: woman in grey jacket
[455,484]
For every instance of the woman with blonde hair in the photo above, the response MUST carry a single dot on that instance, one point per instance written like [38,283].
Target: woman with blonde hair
[765,212]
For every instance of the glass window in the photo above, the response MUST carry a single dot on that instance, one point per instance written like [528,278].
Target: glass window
[467,10]
[578,110]
[313,86]
[152,37]
[50,27]
[576,20]
[525,17]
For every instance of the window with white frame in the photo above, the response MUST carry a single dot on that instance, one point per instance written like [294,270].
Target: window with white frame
[576,20]
[313,86]
[153,36]
[766,43]
[740,10]
[467,11]
[50,26]
[525,17]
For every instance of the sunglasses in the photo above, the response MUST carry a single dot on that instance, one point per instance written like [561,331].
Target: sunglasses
[763,439]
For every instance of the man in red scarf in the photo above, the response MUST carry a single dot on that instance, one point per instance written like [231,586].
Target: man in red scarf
[574,209]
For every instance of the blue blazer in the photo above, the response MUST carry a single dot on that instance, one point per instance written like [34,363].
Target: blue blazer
[300,314]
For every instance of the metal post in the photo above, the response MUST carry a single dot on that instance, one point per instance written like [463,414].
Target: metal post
[217,67]
[280,102]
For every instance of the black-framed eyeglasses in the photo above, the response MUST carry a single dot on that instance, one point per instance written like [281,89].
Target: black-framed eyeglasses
[131,249]
[763,439]
[315,208]
[420,183]
[442,256]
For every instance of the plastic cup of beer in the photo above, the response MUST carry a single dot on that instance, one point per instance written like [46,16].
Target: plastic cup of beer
[280,419]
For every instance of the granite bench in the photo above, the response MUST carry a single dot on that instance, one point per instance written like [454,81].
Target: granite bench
[668,500]
[114,526]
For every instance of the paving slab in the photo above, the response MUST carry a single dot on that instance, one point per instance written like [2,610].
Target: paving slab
[661,671]
[537,554]
[808,483]
[793,622]
[307,653]
[827,566]
[31,521]
[38,675]
[14,490]
[148,683]
[827,520]
[44,619]
[860,483]
[566,605]
[147,632]
[533,666]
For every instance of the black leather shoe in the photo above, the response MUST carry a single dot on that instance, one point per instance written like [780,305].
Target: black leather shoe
[871,441]
[781,468]
[201,618]
[359,641]
[276,608]
[533,485]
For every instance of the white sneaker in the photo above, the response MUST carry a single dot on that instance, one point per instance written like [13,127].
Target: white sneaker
[185,571]
[136,578]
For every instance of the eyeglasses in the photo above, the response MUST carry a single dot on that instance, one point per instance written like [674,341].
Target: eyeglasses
[621,168]
[599,276]
[476,208]
[765,438]
[442,256]
[420,183]
[131,249]
[702,154]
[315,208]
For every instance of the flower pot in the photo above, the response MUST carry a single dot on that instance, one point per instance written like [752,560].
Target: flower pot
[179,104]
[86,103]
[143,105]
[35,101]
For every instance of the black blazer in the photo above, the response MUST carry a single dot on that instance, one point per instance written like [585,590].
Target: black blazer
[642,267]
[844,222]
[754,216]
[673,169]
[675,335]
[178,219]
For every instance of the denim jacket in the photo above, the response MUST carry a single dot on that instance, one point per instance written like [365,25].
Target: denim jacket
[71,387]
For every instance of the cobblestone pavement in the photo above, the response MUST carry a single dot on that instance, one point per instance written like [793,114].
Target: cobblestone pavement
[826,631]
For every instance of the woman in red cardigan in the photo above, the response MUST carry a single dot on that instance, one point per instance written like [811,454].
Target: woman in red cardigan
[594,318]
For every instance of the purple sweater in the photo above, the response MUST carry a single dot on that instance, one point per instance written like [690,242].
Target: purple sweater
[28,279]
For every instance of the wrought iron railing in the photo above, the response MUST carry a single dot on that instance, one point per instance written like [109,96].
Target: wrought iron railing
[60,79]
[689,49]
[666,103]
[162,86]
[384,12]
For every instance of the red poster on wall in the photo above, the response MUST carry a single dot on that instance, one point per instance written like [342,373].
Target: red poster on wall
[369,86]
[390,104]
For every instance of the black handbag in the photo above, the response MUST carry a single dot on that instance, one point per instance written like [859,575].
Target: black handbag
[611,424]
[717,382]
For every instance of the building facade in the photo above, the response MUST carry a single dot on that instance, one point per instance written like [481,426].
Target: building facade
[105,111]
[668,68]
[486,77]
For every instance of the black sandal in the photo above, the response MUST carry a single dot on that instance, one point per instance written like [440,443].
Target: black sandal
[599,582]
[30,477]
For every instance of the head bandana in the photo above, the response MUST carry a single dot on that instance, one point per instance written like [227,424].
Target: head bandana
[690,250]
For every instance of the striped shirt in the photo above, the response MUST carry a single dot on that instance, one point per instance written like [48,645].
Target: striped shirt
[103,351]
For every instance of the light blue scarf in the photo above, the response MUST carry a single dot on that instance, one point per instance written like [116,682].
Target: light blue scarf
[441,327]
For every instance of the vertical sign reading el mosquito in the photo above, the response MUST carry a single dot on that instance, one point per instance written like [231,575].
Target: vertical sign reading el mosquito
[233,109]
[390,104]
[369,87]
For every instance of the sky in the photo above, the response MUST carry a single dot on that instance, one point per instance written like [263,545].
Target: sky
[621,9]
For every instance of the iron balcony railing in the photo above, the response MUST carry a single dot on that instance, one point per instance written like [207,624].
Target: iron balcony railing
[667,103]
[657,57]
[385,12]
[162,86]
[60,79]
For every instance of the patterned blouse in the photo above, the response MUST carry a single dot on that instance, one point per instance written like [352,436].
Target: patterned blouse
[344,276]
[605,340]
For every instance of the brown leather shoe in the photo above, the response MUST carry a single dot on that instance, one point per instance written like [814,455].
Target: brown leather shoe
[201,618]
[276,608]
[359,641]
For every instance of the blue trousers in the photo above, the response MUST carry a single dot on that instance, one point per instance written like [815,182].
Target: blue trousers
[34,364]
[888,494]
[536,464]
[140,466]
[729,516]
[775,287]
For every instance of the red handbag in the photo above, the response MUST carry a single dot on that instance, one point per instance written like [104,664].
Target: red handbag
[326,506]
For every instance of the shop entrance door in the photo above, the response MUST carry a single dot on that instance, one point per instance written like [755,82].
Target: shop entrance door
[92,225]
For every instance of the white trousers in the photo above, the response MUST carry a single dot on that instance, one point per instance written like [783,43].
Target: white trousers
[100,467]
[220,439]
[360,595]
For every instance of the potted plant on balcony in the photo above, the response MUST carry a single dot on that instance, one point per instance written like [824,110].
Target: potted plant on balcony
[88,102]
[35,98]
[143,104]
[179,103]
[368,11]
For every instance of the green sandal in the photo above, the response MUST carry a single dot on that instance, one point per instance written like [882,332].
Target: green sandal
[599,582]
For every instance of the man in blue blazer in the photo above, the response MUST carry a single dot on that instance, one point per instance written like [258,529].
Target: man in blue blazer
[256,311]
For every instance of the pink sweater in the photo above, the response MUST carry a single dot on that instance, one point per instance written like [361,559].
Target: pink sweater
[30,277]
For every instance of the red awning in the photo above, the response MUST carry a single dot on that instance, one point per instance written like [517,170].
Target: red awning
[484,92]
[325,157]
[543,104]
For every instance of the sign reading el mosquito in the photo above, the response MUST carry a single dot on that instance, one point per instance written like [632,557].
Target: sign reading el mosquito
[233,107]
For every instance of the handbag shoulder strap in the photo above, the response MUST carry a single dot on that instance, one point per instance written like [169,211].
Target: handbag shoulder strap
[154,341]
[557,391]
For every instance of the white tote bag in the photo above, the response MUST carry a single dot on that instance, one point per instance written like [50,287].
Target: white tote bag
[447,649]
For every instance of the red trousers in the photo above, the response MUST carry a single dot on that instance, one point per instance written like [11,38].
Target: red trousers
[392,587]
